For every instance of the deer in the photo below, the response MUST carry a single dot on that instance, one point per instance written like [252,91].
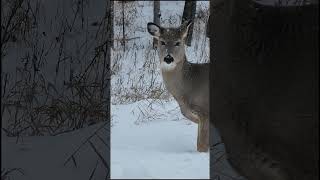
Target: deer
[187,82]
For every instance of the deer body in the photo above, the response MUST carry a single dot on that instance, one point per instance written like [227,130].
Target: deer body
[187,82]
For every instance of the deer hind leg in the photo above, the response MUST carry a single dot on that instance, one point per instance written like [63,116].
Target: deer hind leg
[203,135]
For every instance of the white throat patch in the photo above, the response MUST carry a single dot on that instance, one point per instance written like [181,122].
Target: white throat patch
[167,67]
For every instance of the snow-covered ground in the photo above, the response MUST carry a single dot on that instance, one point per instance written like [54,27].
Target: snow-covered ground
[162,148]
[48,158]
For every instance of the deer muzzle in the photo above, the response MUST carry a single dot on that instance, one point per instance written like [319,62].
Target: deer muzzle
[168,59]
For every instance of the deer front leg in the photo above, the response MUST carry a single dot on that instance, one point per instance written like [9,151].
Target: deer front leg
[186,110]
[203,135]
[189,114]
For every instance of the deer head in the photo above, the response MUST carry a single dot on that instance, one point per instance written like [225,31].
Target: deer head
[170,44]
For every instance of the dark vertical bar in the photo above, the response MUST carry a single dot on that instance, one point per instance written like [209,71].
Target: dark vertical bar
[264,90]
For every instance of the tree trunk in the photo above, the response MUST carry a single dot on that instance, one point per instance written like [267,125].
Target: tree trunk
[111,17]
[123,42]
[189,13]
[208,27]
[156,18]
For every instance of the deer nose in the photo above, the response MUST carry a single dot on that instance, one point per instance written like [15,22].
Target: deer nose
[168,59]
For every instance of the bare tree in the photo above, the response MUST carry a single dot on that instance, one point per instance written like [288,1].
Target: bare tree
[123,27]
[189,13]
[208,27]
[111,19]
[156,18]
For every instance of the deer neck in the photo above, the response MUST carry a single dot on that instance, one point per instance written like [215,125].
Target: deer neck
[174,80]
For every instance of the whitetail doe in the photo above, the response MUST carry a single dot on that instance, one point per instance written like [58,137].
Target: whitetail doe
[187,82]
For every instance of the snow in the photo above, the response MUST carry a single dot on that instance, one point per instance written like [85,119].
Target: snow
[162,148]
[43,157]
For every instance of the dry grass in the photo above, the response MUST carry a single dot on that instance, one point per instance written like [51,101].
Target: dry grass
[57,80]
[92,141]
[9,173]
[34,102]
[149,111]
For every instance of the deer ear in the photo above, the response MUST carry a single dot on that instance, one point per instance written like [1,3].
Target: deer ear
[154,29]
[185,28]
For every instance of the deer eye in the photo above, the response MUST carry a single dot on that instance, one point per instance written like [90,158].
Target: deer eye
[163,43]
[177,44]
